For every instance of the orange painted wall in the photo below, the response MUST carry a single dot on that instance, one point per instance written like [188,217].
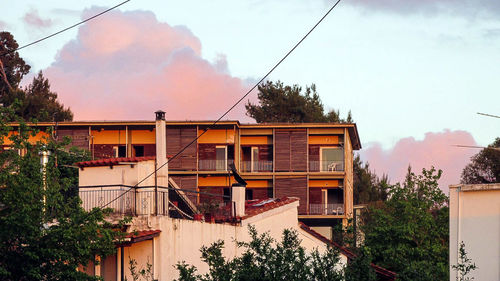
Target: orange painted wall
[249,140]
[109,137]
[323,183]
[323,139]
[143,137]
[217,136]
[215,181]
[32,139]
[259,183]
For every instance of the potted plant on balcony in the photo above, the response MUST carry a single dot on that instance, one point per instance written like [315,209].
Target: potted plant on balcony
[208,210]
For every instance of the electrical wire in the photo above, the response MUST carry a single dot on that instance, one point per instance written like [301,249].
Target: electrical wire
[234,105]
[63,30]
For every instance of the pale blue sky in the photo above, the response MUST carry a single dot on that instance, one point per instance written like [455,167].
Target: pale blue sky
[401,73]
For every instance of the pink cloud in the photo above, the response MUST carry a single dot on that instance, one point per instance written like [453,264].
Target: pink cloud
[126,65]
[34,20]
[436,149]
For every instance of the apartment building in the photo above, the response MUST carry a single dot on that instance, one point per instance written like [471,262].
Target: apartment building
[312,161]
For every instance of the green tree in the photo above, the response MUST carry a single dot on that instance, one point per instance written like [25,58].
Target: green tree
[283,103]
[484,166]
[368,187]
[45,233]
[360,267]
[265,259]
[36,101]
[408,233]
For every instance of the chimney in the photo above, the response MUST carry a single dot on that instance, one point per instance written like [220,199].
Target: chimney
[238,199]
[161,149]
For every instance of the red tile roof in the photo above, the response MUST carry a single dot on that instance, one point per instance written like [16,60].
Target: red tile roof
[382,273]
[138,236]
[252,208]
[113,161]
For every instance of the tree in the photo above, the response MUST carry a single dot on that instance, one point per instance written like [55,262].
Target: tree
[484,166]
[36,101]
[280,103]
[368,187]
[360,267]
[45,233]
[264,259]
[408,233]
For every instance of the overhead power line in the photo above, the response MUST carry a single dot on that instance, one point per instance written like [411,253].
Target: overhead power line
[63,30]
[478,147]
[237,102]
[489,115]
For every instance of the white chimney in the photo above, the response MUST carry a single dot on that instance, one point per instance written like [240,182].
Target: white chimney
[238,200]
[161,150]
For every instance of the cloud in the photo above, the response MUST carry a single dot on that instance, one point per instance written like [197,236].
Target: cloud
[127,65]
[434,150]
[32,19]
[468,8]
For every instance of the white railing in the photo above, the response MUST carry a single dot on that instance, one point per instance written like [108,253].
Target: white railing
[326,166]
[326,209]
[125,200]
[257,166]
[214,165]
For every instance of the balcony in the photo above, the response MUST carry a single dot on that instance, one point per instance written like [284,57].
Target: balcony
[214,165]
[256,166]
[326,209]
[326,166]
[125,200]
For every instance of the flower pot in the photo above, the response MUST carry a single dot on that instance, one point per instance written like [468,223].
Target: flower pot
[198,217]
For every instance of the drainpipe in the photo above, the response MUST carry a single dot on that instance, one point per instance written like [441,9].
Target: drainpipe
[161,156]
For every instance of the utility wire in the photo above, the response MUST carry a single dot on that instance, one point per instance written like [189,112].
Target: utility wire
[489,115]
[63,30]
[237,102]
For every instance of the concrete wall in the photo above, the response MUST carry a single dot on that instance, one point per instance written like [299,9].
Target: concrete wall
[181,240]
[120,174]
[475,220]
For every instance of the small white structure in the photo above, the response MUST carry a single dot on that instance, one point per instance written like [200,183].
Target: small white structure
[475,220]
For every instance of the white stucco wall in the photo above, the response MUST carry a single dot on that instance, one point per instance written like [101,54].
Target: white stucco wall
[181,240]
[119,174]
[475,220]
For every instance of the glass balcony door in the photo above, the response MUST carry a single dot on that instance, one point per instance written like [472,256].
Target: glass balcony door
[255,159]
[221,158]
[331,159]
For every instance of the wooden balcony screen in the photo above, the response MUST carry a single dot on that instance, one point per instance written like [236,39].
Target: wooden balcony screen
[293,187]
[178,138]
[188,183]
[291,150]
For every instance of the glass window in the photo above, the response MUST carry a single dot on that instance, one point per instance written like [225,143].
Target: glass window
[332,158]
[221,158]
[255,159]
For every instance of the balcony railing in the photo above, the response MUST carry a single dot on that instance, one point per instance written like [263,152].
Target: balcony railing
[214,165]
[326,209]
[257,166]
[125,200]
[326,166]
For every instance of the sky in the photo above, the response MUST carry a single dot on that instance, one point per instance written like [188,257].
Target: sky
[413,73]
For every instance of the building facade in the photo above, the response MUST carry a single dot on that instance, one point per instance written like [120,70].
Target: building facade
[312,162]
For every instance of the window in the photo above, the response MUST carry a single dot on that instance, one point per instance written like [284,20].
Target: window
[120,151]
[331,159]
[221,158]
[138,150]
[255,159]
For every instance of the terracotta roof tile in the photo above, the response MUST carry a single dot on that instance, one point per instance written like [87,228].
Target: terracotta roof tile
[252,208]
[113,161]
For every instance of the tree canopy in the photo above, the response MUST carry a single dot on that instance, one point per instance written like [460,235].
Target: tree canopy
[283,103]
[408,233]
[484,166]
[45,234]
[36,101]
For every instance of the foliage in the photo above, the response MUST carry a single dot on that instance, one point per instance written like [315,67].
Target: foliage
[408,233]
[45,233]
[145,274]
[368,187]
[280,103]
[484,166]
[360,267]
[36,101]
[265,259]
[465,266]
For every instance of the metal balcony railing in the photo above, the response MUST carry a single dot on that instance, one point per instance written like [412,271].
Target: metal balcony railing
[326,166]
[326,209]
[257,166]
[214,165]
[125,200]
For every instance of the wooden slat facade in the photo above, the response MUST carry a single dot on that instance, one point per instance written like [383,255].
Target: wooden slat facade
[188,183]
[178,138]
[79,137]
[293,187]
[291,150]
